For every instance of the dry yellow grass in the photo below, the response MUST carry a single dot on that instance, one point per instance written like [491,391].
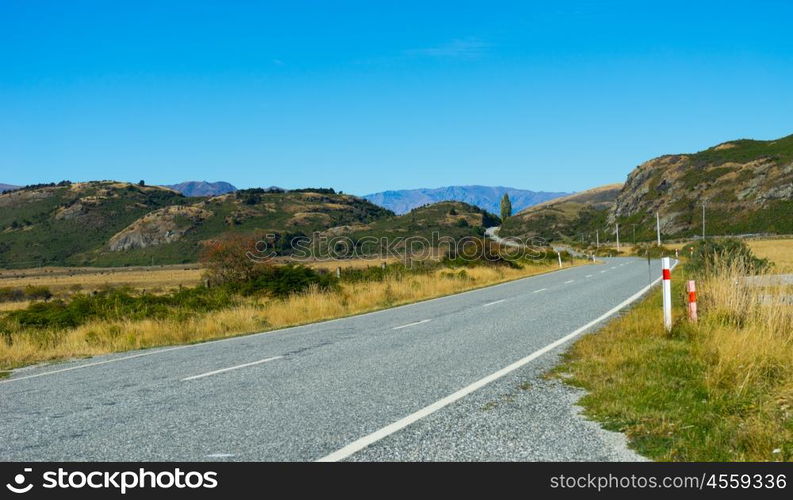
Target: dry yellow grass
[778,251]
[66,279]
[251,315]
[720,389]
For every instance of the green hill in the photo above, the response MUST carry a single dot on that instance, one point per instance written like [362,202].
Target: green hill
[746,185]
[564,217]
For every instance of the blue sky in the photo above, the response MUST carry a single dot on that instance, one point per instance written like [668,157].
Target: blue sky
[369,96]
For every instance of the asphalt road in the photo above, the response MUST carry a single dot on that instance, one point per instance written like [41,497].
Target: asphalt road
[428,381]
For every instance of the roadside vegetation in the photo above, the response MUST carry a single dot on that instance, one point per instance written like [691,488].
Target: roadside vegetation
[242,297]
[720,389]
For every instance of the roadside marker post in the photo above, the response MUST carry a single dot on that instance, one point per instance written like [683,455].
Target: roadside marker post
[691,288]
[559,256]
[667,292]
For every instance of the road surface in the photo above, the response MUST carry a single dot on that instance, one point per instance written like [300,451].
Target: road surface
[454,378]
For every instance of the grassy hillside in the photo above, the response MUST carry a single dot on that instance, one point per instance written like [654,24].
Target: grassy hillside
[56,224]
[112,223]
[564,217]
[256,212]
[747,187]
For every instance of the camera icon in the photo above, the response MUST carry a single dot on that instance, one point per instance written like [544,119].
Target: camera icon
[19,480]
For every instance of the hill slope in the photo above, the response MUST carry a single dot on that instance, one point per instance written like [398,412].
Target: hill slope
[564,217]
[7,187]
[202,188]
[485,197]
[747,187]
[55,224]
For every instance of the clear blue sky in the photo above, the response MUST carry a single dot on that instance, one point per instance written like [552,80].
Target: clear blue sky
[369,96]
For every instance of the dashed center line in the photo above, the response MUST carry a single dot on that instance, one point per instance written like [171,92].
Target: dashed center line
[570,281]
[613,267]
[494,302]
[412,324]
[540,290]
[222,370]
[588,276]
[601,272]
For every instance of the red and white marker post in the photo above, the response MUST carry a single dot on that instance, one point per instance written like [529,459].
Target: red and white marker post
[667,292]
[691,287]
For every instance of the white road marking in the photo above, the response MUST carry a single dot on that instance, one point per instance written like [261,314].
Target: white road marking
[215,372]
[570,281]
[613,267]
[588,276]
[540,290]
[603,271]
[220,455]
[412,324]
[271,332]
[87,365]
[494,302]
[386,431]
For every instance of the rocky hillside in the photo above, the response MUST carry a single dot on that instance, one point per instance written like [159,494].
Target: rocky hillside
[202,188]
[485,197]
[746,185]
[57,223]
[564,217]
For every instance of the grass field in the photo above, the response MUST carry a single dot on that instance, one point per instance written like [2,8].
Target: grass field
[778,251]
[717,390]
[249,315]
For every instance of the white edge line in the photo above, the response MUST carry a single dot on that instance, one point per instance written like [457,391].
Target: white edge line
[215,372]
[412,324]
[386,431]
[493,303]
[97,363]
[280,330]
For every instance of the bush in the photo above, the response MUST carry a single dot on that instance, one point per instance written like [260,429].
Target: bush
[117,304]
[282,281]
[38,292]
[707,256]
[228,259]
[11,294]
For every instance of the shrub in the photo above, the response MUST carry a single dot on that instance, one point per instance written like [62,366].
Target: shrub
[11,294]
[228,259]
[282,281]
[706,256]
[38,292]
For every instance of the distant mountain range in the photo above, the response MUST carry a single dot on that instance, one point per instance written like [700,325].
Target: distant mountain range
[7,187]
[202,188]
[485,197]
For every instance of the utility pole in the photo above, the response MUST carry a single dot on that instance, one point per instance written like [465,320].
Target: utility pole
[658,227]
[618,237]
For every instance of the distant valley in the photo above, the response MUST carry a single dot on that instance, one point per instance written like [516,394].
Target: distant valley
[485,197]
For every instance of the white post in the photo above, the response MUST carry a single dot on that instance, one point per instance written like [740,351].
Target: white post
[667,292]
[658,227]
[559,256]
[618,237]
[597,239]
[692,300]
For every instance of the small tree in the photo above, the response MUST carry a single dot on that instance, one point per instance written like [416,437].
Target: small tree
[506,207]
[227,259]
[141,183]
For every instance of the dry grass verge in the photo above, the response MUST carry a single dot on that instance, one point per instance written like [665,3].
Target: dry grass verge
[248,315]
[718,390]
